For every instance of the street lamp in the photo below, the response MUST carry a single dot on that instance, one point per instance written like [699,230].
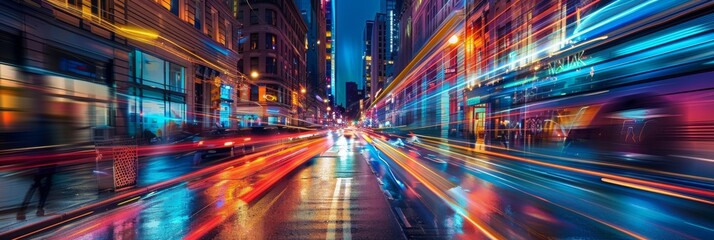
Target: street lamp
[254,74]
[303,91]
[453,39]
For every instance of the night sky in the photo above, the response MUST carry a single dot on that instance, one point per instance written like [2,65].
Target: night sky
[350,20]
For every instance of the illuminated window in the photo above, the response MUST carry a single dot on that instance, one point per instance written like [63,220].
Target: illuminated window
[271,41]
[253,41]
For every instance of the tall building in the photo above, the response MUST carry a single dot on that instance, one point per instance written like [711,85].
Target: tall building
[330,51]
[313,12]
[379,54]
[391,10]
[367,58]
[119,65]
[352,93]
[352,100]
[274,55]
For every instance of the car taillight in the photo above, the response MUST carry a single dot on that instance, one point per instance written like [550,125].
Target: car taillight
[200,143]
[228,144]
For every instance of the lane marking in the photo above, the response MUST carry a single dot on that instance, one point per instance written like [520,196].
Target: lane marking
[333,211]
[346,220]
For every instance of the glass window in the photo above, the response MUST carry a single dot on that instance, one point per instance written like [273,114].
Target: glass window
[152,71]
[254,93]
[271,41]
[270,17]
[254,16]
[253,41]
[176,77]
[271,65]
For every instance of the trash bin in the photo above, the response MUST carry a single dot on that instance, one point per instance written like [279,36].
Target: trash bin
[117,164]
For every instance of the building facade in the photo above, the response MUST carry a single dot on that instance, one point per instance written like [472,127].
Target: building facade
[367,58]
[116,66]
[378,67]
[275,56]
[313,12]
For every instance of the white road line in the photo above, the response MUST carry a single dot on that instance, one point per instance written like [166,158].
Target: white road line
[346,220]
[332,219]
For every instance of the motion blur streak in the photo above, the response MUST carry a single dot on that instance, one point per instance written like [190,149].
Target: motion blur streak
[601,174]
[651,189]
[435,183]
[282,163]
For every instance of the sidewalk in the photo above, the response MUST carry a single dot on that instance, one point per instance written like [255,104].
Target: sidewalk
[74,188]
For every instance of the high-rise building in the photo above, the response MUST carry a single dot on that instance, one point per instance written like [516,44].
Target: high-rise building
[367,58]
[379,54]
[352,93]
[330,51]
[274,57]
[391,9]
[313,12]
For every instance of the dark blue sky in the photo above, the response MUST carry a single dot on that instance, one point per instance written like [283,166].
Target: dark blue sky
[350,19]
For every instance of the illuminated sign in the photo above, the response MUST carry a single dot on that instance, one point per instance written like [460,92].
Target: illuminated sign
[269,97]
[570,62]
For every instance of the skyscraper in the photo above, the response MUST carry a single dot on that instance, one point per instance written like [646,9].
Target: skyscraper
[379,54]
[367,58]
[313,12]
[330,51]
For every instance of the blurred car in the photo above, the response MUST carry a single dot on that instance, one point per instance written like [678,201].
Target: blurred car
[229,142]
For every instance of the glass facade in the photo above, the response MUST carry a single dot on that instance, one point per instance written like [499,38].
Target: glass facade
[159,102]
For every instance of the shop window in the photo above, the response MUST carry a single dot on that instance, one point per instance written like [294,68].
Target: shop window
[153,71]
[176,77]
[254,92]
[226,91]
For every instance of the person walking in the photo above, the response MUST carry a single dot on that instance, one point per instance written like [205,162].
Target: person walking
[42,182]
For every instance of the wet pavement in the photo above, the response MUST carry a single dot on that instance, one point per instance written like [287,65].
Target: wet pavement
[367,187]
[478,195]
[321,190]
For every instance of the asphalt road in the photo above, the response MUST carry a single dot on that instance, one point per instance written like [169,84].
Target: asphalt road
[322,190]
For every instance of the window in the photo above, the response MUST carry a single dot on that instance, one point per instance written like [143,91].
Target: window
[198,15]
[171,5]
[221,34]
[253,41]
[240,16]
[254,64]
[271,41]
[100,8]
[271,65]
[75,3]
[175,77]
[158,73]
[228,38]
[254,17]
[254,93]
[270,17]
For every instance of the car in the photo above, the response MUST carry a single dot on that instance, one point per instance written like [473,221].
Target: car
[229,142]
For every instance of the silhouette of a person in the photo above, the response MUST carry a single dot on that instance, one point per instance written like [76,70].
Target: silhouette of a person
[43,182]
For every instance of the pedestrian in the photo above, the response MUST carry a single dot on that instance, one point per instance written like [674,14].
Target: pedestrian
[42,182]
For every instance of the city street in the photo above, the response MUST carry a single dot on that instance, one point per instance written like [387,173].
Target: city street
[356,119]
[333,195]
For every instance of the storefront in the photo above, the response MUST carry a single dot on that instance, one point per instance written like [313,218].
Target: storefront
[159,96]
